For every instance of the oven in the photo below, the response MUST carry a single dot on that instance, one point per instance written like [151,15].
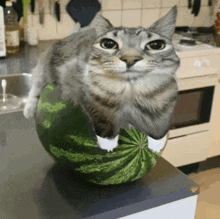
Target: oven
[197,78]
[193,107]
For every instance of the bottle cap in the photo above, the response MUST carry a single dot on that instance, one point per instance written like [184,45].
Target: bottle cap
[8,3]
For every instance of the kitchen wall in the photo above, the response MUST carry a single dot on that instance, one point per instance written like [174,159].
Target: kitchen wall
[121,12]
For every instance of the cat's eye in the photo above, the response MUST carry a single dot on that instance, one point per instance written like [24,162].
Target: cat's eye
[155,45]
[109,44]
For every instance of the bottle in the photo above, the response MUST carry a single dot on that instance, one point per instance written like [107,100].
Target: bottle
[2,35]
[11,29]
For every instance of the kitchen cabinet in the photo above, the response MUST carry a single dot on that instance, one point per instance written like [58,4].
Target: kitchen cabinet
[214,145]
[187,149]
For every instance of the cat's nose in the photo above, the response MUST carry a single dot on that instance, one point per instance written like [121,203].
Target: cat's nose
[131,60]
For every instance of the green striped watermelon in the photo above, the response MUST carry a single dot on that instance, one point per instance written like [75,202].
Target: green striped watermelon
[64,133]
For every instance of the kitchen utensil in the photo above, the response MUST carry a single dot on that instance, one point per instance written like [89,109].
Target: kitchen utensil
[189,3]
[18,6]
[41,11]
[25,6]
[32,6]
[196,7]
[41,14]
[57,9]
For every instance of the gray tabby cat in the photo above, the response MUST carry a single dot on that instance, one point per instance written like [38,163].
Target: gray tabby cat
[118,76]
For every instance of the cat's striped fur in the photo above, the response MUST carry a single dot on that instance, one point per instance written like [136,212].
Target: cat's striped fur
[115,76]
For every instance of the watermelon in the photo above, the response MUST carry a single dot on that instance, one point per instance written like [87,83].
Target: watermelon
[64,132]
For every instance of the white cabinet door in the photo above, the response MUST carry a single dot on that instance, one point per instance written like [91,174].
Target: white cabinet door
[187,149]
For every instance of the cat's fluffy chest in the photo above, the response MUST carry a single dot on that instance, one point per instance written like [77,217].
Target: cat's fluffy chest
[112,87]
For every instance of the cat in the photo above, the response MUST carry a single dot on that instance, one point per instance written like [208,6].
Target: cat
[120,77]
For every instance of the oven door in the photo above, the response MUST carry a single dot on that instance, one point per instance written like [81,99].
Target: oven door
[193,107]
[193,110]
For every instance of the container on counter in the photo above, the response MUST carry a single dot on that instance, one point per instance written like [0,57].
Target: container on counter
[2,33]
[11,29]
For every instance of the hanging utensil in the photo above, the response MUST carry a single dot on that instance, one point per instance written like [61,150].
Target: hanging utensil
[32,6]
[41,11]
[196,7]
[57,9]
[41,15]
[18,6]
[189,3]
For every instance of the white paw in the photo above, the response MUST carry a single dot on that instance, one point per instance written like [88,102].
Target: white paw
[107,144]
[30,108]
[156,145]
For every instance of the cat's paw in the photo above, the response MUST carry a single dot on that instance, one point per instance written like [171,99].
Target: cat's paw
[30,108]
[107,144]
[156,145]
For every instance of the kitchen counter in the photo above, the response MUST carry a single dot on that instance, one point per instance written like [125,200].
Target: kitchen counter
[24,60]
[33,186]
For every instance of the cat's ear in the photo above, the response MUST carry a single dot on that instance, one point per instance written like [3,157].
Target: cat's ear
[101,24]
[166,25]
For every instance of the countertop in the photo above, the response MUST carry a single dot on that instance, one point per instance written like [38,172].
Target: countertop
[33,186]
[25,60]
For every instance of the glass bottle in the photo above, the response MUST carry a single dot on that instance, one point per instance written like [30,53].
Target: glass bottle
[11,29]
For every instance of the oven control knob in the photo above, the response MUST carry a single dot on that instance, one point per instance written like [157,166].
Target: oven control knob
[198,63]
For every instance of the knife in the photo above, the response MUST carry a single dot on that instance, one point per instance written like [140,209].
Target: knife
[196,7]
[32,6]
[189,3]
[57,9]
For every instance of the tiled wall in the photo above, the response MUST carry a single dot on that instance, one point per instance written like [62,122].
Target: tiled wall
[122,12]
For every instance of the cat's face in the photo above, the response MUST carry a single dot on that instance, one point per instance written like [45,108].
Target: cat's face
[129,52]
